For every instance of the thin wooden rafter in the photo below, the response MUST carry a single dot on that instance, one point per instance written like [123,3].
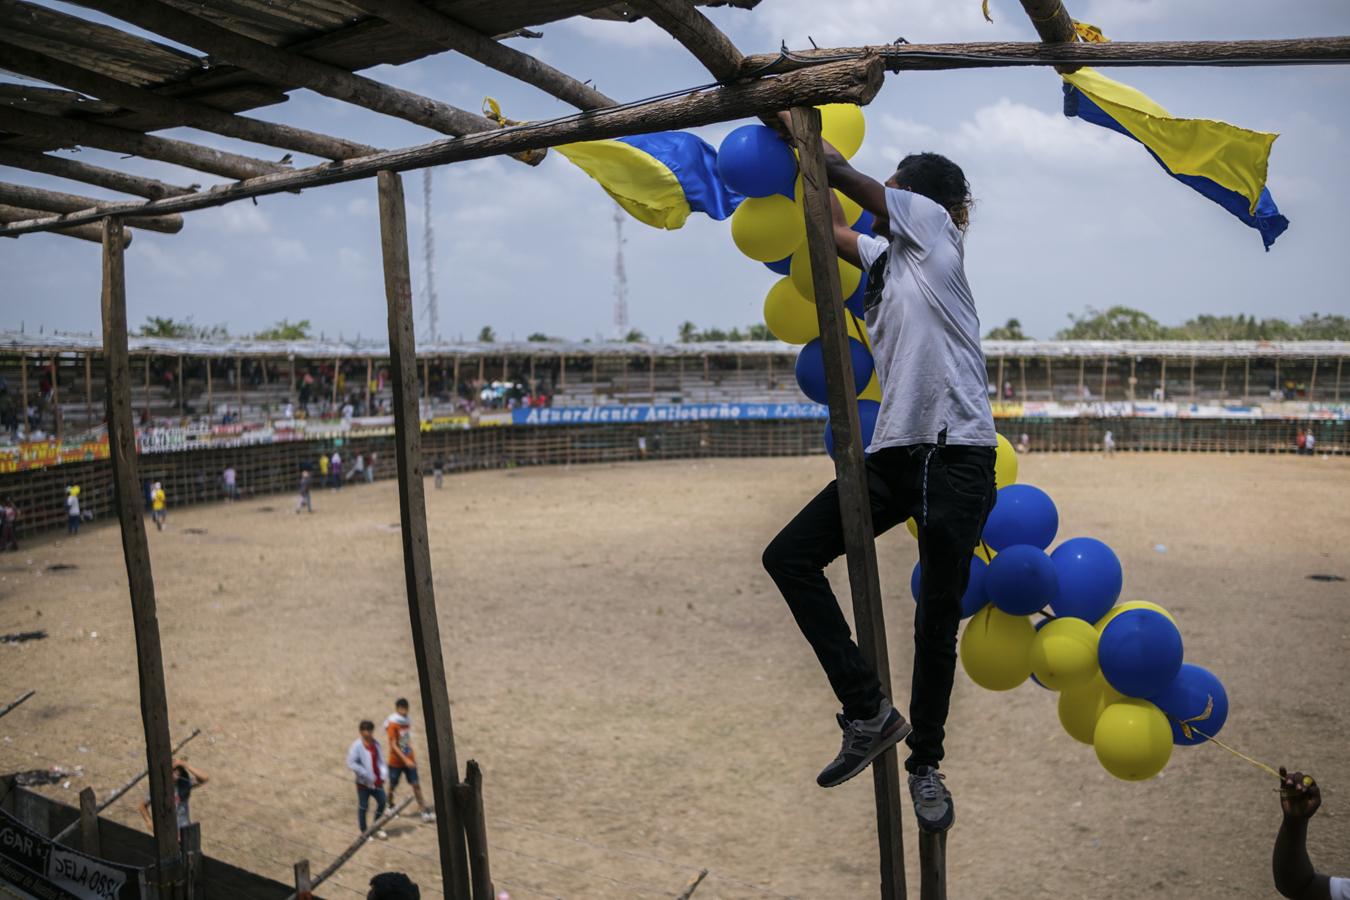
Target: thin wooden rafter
[87,232]
[58,202]
[74,170]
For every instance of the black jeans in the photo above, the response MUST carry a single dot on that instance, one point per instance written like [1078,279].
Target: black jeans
[363,797]
[948,491]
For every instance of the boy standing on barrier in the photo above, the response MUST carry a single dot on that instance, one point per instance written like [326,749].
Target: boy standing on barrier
[367,762]
[931,458]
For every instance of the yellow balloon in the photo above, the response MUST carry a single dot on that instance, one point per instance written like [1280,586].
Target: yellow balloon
[1133,740]
[985,552]
[996,649]
[1064,654]
[1081,707]
[789,315]
[842,124]
[1132,604]
[800,273]
[872,391]
[913,527]
[851,210]
[767,228]
[1005,463]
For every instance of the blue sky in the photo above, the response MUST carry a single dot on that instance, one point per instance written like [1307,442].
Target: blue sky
[1067,215]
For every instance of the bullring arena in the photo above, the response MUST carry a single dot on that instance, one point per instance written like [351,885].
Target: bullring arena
[624,670]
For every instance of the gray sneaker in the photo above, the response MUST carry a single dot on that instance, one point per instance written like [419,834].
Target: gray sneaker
[864,741]
[933,805]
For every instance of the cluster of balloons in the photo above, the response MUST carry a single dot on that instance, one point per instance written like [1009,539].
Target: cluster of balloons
[1118,667]
[769,226]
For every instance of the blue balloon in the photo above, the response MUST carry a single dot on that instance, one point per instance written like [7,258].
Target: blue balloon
[1022,514]
[811,369]
[864,223]
[854,302]
[974,599]
[1139,652]
[1185,700]
[782,266]
[867,424]
[1089,578]
[1021,580]
[755,161]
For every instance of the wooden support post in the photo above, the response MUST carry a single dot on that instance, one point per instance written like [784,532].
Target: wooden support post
[1050,379]
[469,796]
[1279,385]
[1133,381]
[562,371]
[136,552]
[651,377]
[210,396]
[532,383]
[239,388]
[1192,378]
[291,359]
[337,371]
[70,169]
[1105,361]
[1162,381]
[1312,384]
[706,380]
[999,382]
[416,550]
[1339,360]
[147,385]
[192,861]
[1082,363]
[89,838]
[426,379]
[181,407]
[851,476]
[1223,380]
[932,865]
[23,390]
[1022,378]
[342,858]
[57,418]
[303,889]
[21,195]
[370,376]
[595,378]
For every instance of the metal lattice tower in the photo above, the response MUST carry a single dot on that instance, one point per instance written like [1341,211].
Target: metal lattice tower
[620,278]
[429,252]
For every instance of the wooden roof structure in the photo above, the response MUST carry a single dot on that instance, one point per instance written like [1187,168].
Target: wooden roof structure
[113,88]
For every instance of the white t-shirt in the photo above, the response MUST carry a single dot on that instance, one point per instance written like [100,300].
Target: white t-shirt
[72,504]
[1311,441]
[1340,888]
[925,331]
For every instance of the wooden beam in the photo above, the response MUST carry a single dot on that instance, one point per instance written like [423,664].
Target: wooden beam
[58,201]
[171,111]
[855,507]
[284,67]
[86,232]
[304,888]
[136,552]
[72,170]
[697,33]
[469,795]
[416,549]
[1051,21]
[89,837]
[345,855]
[430,24]
[13,704]
[932,865]
[996,54]
[847,82]
[88,133]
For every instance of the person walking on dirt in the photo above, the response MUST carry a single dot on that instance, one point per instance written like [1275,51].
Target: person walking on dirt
[231,481]
[9,525]
[931,458]
[185,780]
[438,472]
[73,509]
[1295,877]
[158,502]
[372,774]
[335,467]
[402,764]
[305,483]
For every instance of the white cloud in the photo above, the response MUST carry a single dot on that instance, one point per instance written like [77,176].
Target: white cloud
[641,34]
[846,23]
[236,219]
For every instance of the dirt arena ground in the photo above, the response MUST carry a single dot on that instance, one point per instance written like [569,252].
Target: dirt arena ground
[642,704]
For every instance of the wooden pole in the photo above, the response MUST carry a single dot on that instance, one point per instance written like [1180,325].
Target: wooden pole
[1339,360]
[23,389]
[706,380]
[291,359]
[136,552]
[1022,378]
[595,378]
[304,890]
[1133,381]
[210,399]
[147,379]
[469,795]
[999,381]
[1246,379]
[88,232]
[651,377]
[7,708]
[1050,379]
[1312,384]
[341,859]
[59,201]
[1192,379]
[851,476]
[932,865]
[416,549]
[239,388]
[56,396]
[1162,381]
[1223,379]
[337,370]
[1082,363]
[1105,360]
[426,378]
[73,170]
[180,384]
[562,371]
[370,376]
[854,81]
[89,841]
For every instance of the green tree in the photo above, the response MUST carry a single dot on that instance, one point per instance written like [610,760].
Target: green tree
[538,337]
[156,326]
[286,330]
[688,332]
[486,335]
[759,332]
[635,336]
[1324,328]
[1011,331]
[1119,323]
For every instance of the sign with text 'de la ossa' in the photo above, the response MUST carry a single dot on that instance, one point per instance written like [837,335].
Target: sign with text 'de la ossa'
[44,870]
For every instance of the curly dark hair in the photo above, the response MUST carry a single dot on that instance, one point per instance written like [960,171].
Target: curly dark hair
[940,180]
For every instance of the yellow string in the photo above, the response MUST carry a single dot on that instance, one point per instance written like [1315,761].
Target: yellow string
[1090,33]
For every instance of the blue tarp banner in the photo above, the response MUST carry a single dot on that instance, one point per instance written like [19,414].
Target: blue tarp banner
[675,412]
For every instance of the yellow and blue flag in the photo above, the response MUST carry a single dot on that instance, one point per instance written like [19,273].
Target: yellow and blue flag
[659,178]
[1223,162]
